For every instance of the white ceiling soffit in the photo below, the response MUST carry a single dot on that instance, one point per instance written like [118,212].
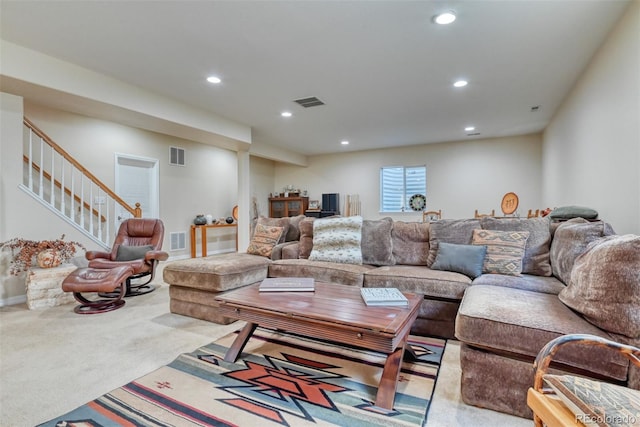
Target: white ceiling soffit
[383,69]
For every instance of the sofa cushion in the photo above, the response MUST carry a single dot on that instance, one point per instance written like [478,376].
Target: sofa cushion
[293,233]
[505,250]
[570,239]
[418,279]
[217,272]
[337,240]
[306,237]
[275,222]
[458,231]
[264,239]
[410,242]
[605,285]
[536,252]
[522,322]
[527,282]
[465,259]
[377,248]
[332,272]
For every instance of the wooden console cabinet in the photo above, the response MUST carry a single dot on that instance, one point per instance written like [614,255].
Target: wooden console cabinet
[280,207]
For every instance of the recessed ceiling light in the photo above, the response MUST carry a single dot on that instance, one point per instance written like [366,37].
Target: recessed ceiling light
[286,114]
[461,83]
[213,79]
[344,142]
[469,128]
[445,18]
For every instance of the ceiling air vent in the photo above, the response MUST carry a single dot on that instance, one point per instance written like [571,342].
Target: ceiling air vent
[309,102]
[177,156]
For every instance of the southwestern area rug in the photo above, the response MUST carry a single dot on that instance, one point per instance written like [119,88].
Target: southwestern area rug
[280,380]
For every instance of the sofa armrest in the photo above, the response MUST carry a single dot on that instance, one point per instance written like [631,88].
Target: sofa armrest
[291,250]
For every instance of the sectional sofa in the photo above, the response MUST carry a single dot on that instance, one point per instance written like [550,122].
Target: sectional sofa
[503,287]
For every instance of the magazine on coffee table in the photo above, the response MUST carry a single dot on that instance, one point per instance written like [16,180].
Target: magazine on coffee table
[384,296]
[287,284]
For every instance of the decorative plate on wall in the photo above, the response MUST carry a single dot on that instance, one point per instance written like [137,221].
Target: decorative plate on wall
[417,202]
[509,203]
[234,212]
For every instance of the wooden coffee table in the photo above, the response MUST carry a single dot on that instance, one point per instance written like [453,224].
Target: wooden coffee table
[333,312]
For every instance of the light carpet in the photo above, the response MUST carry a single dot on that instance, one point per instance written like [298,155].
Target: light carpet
[281,379]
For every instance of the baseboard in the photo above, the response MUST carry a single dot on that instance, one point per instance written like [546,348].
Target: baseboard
[18,299]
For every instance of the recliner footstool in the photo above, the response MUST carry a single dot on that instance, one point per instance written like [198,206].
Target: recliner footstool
[85,280]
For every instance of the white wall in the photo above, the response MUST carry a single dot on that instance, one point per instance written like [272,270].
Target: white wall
[206,184]
[461,176]
[262,183]
[592,145]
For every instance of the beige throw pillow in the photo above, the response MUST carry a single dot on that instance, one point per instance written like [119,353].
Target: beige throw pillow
[264,239]
[505,250]
[337,240]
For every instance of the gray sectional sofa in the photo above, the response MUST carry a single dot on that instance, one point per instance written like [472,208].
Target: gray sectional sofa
[503,287]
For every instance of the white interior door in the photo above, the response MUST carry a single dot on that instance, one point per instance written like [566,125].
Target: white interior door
[137,181]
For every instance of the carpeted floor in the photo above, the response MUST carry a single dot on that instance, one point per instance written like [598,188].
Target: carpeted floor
[53,360]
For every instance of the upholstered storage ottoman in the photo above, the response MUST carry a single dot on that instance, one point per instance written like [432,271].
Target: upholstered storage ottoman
[502,331]
[194,283]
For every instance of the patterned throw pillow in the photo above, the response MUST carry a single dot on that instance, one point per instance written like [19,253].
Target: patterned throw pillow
[264,239]
[505,250]
[337,240]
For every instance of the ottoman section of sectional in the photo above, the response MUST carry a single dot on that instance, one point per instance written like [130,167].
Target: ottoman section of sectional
[194,283]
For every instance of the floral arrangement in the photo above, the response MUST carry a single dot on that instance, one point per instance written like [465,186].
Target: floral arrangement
[28,249]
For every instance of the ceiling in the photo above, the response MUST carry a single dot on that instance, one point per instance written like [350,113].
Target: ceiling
[382,68]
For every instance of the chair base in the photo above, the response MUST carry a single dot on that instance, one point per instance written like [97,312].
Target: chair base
[101,306]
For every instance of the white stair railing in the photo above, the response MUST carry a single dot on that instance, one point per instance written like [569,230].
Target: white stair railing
[63,185]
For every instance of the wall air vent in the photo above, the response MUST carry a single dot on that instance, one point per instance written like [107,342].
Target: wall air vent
[177,156]
[309,102]
[178,240]
[473,134]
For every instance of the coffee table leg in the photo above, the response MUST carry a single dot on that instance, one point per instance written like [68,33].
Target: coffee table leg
[387,387]
[240,342]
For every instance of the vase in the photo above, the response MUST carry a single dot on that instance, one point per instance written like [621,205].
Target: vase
[229,220]
[200,220]
[48,258]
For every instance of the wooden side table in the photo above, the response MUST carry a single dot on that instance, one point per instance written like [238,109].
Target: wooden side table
[203,233]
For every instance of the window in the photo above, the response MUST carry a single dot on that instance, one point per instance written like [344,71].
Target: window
[398,184]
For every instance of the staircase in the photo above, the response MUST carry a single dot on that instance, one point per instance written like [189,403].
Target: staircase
[60,183]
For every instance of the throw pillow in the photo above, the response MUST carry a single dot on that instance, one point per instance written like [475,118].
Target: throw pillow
[536,259]
[376,242]
[570,239]
[130,253]
[456,231]
[568,212]
[605,285]
[464,259]
[264,239]
[276,222]
[410,242]
[337,240]
[505,250]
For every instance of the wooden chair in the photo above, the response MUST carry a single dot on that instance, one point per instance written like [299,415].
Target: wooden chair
[533,214]
[479,215]
[428,216]
[548,409]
